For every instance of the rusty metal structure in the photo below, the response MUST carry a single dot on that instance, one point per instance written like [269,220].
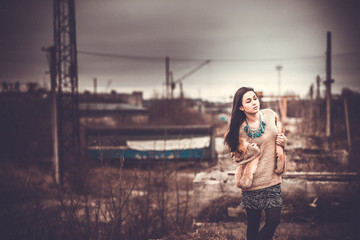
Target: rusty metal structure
[66,71]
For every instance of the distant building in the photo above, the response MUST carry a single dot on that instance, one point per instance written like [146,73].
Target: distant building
[112,109]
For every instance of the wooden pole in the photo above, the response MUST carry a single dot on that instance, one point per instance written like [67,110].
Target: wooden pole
[54,123]
[181,90]
[95,86]
[167,72]
[347,124]
[283,109]
[327,83]
[318,87]
[278,68]
[172,85]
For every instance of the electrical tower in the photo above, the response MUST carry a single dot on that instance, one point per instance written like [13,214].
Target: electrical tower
[67,88]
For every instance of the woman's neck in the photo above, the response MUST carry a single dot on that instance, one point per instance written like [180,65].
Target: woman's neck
[253,117]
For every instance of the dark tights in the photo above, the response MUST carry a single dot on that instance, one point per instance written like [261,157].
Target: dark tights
[253,223]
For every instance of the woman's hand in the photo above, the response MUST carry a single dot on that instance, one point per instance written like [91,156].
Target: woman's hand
[254,145]
[281,139]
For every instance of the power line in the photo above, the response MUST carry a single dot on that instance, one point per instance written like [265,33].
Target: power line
[285,59]
[151,58]
[136,58]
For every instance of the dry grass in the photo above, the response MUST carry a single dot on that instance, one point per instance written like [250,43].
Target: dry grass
[285,231]
[159,207]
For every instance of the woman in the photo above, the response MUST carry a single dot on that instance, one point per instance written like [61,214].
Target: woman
[258,130]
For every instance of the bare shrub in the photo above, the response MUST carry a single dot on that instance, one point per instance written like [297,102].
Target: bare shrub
[129,204]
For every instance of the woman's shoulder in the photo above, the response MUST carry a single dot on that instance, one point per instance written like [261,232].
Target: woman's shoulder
[268,112]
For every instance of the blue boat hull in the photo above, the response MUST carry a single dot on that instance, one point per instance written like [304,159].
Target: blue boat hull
[185,154]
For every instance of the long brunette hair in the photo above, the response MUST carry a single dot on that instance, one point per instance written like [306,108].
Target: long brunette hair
[237,118]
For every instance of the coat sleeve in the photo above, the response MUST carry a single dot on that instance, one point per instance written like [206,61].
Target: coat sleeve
[281,129]
[245,154]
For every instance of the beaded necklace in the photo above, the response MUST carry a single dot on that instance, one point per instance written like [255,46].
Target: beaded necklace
[255,133]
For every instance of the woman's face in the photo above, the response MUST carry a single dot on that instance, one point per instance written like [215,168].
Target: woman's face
[250,103]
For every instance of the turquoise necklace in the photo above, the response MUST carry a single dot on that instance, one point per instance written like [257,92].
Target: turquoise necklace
[255,133]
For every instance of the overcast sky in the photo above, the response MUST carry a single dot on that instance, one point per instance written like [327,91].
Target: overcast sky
[245,39]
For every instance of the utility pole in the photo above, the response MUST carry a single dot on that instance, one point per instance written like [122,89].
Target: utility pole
[51,54]
[328,83]
[347,124]
[311,92]
[282,100]
[167,72]
[318,80]
[172,85]
[181,90]
[95,86]
[311,95]
[279,68]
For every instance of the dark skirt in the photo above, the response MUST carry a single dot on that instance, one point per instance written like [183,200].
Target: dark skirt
[262,198]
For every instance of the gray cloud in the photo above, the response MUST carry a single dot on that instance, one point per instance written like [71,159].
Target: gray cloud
[199,29]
